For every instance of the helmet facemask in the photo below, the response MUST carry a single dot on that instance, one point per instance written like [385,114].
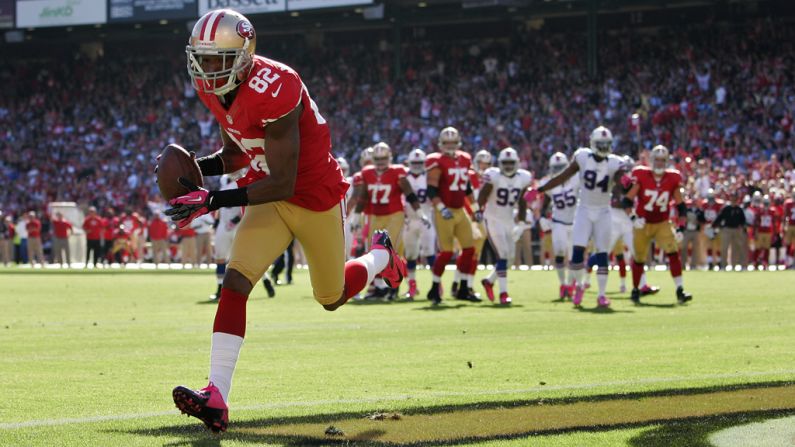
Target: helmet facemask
[508,167]
[218,71]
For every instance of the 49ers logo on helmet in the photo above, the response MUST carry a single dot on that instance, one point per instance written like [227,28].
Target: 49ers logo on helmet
[245,30]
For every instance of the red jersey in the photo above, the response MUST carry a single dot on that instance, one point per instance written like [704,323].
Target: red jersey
[383,190]
[476,182]
[93,226]
[34,228]
[131,224]
[111,224]
[711,210]
[453,176]
[61,228]
[789,211]
[358,180]
[271,91]
[655,196]
[158,229]
[766,219]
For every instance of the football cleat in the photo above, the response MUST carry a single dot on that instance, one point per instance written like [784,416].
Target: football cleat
[395,270]
[505,299]
[649,290]
[576,299]
[635,296]
[602,301]
[489,288]
[454,289]
[681,296]
[412,290]
[586,285]
[564,292]
[207,405]
[466,294]
[268,287]
[434,294]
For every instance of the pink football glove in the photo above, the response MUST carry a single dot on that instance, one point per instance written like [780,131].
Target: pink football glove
[189,206]
[626,181]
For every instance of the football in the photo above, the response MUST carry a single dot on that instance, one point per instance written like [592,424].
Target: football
[175,162]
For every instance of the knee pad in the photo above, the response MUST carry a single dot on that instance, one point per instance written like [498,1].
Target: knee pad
[502,265]
[559,261]
[411,265]
[220,269]
[601,259]
[578,255]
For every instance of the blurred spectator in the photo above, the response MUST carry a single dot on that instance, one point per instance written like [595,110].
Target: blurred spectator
[203,226]
[187,245]
[158,235]
[93,225]
[120,251]
[61,229]
[35,250]
[6,239]
[732,223]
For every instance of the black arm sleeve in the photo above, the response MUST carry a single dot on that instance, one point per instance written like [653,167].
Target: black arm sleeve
[433,191]
[681,209]
[627,203]
[228,198]
[211,164]
[412,198]
[469,188]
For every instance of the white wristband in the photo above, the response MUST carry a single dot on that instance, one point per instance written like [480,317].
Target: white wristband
[440,206]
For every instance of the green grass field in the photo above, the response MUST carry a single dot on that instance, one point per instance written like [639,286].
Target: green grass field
[90,359]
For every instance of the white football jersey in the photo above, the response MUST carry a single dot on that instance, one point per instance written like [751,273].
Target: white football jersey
[349,192]
[226,214]
[596,177]
[563,199]
[506,192]
[419,184]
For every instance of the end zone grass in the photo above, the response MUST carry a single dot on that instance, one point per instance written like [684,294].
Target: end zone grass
[91,360]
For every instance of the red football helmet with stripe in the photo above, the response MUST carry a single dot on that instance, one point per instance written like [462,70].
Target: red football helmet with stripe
[220,51]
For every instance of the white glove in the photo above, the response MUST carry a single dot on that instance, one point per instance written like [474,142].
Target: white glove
[639,223]
[425,221]
[709,232]
[545,224]
[476,234]
[518,231]
[355,220]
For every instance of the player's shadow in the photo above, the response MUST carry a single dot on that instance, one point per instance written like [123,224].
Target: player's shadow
[658,305]
[366,302]
[441,307]
[602,310]
[500,306]
[668,429]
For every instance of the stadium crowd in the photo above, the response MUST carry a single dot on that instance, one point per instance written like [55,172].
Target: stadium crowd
[87,130]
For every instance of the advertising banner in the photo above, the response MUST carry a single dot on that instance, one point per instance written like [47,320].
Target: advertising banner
[143,10]
[40,13]
[6,14]
[243,6]
[294,5]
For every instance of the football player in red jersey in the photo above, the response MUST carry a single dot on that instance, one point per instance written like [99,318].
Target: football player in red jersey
[789,229]
[293,189]
[712,208]
[381,188]
[655,188]
[766,222]
[448,189]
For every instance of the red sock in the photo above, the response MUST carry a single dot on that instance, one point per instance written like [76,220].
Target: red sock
[230,317]
[637,272]
[355,278]
[464,262]
[441,262]
[622,267]
[474,266]
[675,264]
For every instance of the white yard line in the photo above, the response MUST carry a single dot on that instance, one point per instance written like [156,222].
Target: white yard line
[395,398]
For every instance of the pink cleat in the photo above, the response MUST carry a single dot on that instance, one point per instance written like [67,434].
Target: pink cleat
[505,299]
[602,301]
[649,290]
[564,292]
[395,270]
[576,299]
[207,405]
[412,289]
[489,288]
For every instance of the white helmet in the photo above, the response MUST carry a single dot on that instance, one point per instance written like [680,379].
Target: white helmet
[220,51]
[449,140]
[659,159]
[366,157]
[417,161]
[482,157]
[508,161]
[557,163]
[602,141]
[346,168]
[382,155]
